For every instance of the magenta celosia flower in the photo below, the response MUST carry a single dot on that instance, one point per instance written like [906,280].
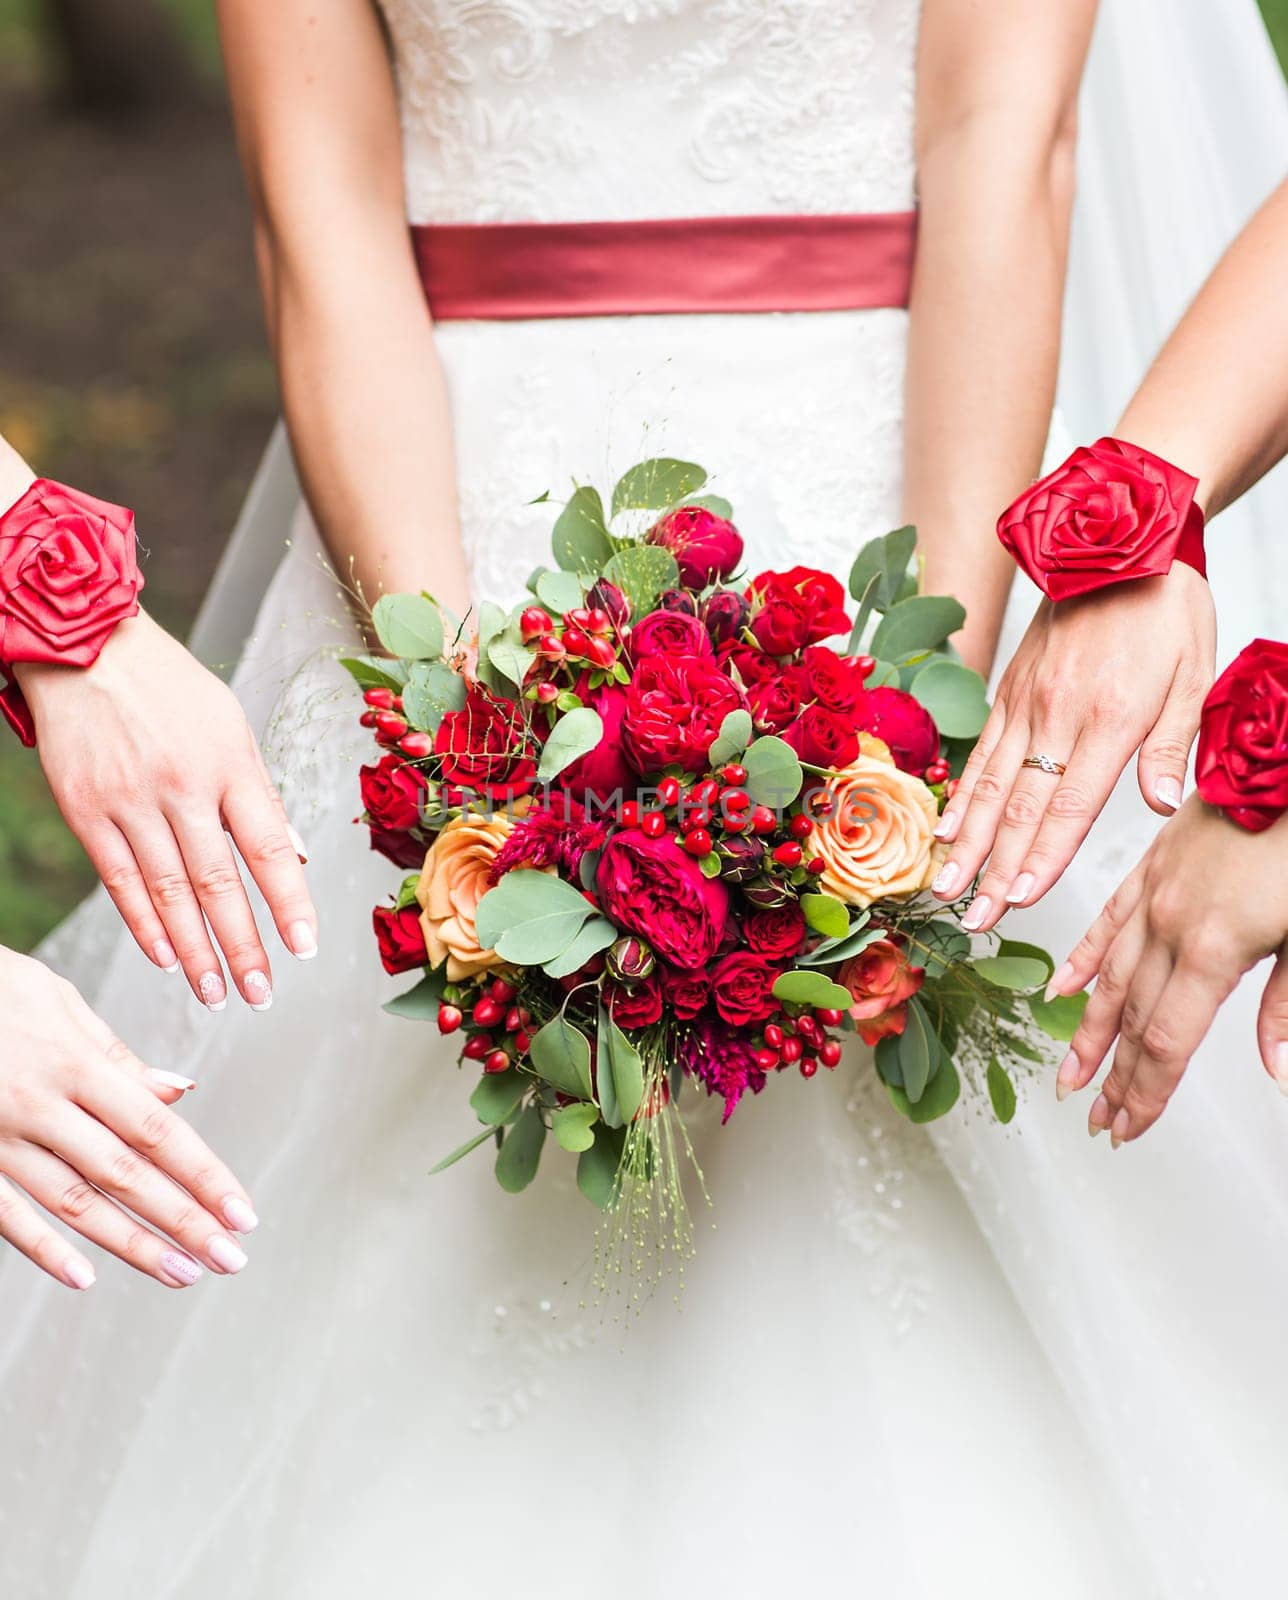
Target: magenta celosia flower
[722,1060]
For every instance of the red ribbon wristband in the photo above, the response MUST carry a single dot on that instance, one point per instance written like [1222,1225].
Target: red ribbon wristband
[1242,762]
[69,573]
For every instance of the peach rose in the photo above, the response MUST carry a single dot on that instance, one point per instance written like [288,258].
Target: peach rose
[877,842]
[882,982]
[452,882]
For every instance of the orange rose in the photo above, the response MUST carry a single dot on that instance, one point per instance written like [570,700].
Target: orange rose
[882,982]
[452,882]
[876,844]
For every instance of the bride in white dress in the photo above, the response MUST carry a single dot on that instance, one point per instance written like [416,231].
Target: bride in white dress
[973,1363]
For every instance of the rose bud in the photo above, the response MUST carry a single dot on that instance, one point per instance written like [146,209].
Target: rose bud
[768,892]
[629,960]
[724,614]
[677,600]
[740,858]
[607,597]
[706,546]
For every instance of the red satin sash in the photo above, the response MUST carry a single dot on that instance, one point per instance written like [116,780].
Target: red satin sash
[506,270]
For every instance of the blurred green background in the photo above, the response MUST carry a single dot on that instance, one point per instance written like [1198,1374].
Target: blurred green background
[132,358]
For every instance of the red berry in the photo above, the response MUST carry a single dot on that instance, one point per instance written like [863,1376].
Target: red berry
[477,1046]
[791,1048]
[598,621]
[487,1013]
[547,693]
[698,843]
[699,817]
[368,719]
[416,745]
[600,652]
[809,1029]
[735,801]
[668,791]
[733,773]
[502,991]
[449,1018]
[737,824]
[800,827]
[525,1016]
[808,1068]
[398,705]
[390,724]
[513,1021]
[766,1060]
[816,864]
[521,1043]
[705,793]
[575,641]
[533,623]
[773,1035]
[653,824]
[788,854]
[497,1061]
[382,699]
[865,666]
[829,1052]
[578,617]
[828,1015]
[629,815]
[550,648]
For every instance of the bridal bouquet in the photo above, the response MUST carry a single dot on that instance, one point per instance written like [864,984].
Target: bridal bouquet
[659,830]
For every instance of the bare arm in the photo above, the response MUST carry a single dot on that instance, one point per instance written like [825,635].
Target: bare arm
[997,89]
[317,124]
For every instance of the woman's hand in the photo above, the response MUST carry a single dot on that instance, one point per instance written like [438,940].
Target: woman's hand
[85,1131]
[150,759]
[1208,902]
[1094,680]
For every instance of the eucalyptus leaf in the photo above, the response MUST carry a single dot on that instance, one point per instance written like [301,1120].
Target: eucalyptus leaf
[919,623]
[497,1094]
[733,738]
[955,697]
[580,539]
[936,945]
[938,1099]
[804,988]
[369,673]
[596,934]
[598,1167]
[654,484]
[560,1053]
[1029,952]
[619,1073]
[882,676]
[716,504]
[573,736]
[1013,972]
[432,690]
[546,907]
[919,1051]
[409,625]
[885,559]
[510,656]
[886,1056]
[1060,1017]
[641,572]
[492,619]
[855,942]
[520,1153]
[826,915]
[774,774]
[574,1126]
[462,1150]
[1001,1091]
[421,1003]
[560,591]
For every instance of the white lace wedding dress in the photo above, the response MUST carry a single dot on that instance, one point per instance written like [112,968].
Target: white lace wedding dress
[967,1362]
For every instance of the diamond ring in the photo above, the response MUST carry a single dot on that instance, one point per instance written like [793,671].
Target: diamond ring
[1057,769]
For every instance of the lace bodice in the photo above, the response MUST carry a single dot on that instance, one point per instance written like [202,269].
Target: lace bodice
[566,110]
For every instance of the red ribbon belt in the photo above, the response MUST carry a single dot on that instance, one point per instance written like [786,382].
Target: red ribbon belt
[507,270]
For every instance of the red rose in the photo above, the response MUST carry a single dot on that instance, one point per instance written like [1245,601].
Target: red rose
[882,983]
[777,932]
[1242,762]
[399,936]
[392,791]
[834,681]
[638,1005]
[823,738]
[796,608]
[485,746]
[705,545]
[778,701]
[668,633]
[603,771]
[674,708]
[741,985]
[904,725]
[1110,512]
[724,613]
[654,888]
[68,574]
[686,993]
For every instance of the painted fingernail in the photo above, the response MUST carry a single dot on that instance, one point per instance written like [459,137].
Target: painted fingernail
[301,849]
[302,941]
[164,956]
[258,991]
[1066,1080]
[180,1269]
[169,1080]
[946,878]
[214,996]
[1021,889]
[239,1216]
[1062,976]
[1168,793]
[977,913]
[1098,1116]
[225,1254]
[1281,1065]
[1119,1130]
[947,826]
[78,1273]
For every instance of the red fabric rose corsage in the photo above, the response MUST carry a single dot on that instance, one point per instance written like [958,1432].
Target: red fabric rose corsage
[1111,512]
[1242,764]
[69,572]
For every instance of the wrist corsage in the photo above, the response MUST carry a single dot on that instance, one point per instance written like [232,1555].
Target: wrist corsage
[1242,764]
[1113,511]
[69,573]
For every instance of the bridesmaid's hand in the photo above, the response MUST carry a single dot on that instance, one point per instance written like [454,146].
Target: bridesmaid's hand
[85,1131]
[1208,902]
[1093,681]
[150,759]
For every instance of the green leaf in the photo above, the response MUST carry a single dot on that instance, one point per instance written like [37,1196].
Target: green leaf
[497,1094]
[716,504]
[774,775]
[573,736]
[368,673]
[710,865]
[656,483]
[619,1073]
[955,697]
[885,560]
[574,1126]
[462,1150]
[597,1169]
[803,988]
[407,892]
[560,591]
[945,942]
[492,620]
[1012,972]
[919,623]
[826,915]
[938,1100]
[1001,1091]
[854,943]
[595,935]
[580,539]
[889,1067]
[919,1052]
[733,738]
[1060,1017]
[641,572]
[508,654]
[544,909]
[1028,952]
[882,676]
[519,1155]
[432,690]
[560,1053]
[421,1003]
[409,625]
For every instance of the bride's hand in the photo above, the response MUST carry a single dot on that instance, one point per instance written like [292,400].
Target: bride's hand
[85,1131]
[1208,902]
[1093,681]
[150,759]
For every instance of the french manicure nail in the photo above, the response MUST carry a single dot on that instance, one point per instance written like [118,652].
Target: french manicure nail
[1059,978]
[946,878]
[301,849]
[977,913]
[1281,1065]
[78,1272]
[1021,889]
[239,1216]
[258,991]
[214,996]
[304,945]
[169,1080]
[1119,1130]
[1098,1116]
[226,1255]
[163,953]
[1066,1080]
[1168,793]
[180,1269]
[947,826]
